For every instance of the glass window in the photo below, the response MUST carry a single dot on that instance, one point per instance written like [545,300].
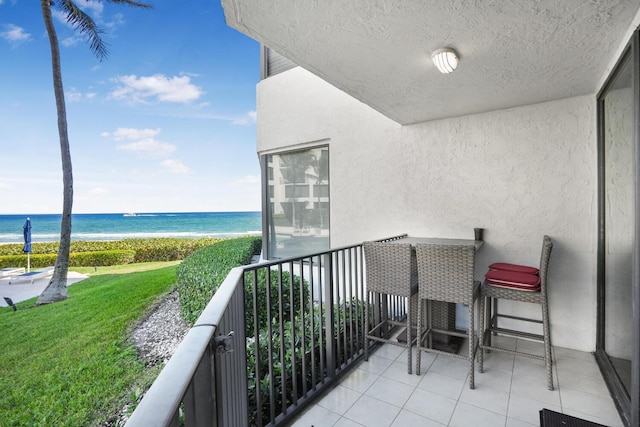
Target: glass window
[293,190]
[297,183]
[618,150]
[321,191]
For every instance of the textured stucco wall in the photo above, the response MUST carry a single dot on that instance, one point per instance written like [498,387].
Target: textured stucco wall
[519,173]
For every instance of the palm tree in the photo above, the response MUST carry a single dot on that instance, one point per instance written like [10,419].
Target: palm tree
[56,290]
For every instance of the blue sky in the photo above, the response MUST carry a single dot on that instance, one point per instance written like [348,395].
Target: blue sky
[165,124]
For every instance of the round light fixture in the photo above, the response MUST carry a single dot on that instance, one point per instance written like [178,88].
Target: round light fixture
[446,60]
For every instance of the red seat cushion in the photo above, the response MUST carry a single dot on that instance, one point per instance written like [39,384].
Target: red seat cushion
[512,279]
[514,267]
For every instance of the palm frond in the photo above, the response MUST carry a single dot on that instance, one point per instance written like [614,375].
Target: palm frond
[82,22]
[132,3]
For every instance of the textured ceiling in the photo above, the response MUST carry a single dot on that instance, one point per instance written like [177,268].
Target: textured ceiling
[512,52]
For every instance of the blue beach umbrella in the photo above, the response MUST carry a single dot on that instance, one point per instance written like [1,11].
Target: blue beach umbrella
[26,230]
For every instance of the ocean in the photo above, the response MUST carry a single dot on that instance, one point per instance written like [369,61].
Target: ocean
[46,227]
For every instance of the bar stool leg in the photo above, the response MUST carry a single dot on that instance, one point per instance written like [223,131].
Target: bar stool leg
[547,344]
[472,344]
[419,336]
[366,326]
[409,339]
[481,333]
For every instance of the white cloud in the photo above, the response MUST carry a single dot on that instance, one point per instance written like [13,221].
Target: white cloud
[144,143]
[71,41]
[157,87]
[249,180]
[92,8]
[73,95]
[116,21]
[133,134]
[175,166]
[98,191]
[14,34]
[149,145]
[5,186]
[141,140]
[247,119]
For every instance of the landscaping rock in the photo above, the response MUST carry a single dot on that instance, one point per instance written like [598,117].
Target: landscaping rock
[157,337]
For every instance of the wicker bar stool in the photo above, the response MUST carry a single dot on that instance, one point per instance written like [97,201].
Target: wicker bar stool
[445,273]
[517,283]
[389,273]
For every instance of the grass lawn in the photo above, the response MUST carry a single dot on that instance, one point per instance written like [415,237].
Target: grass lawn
[69,363]
[123,269]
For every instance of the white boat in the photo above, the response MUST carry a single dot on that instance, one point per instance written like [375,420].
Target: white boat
[130,214]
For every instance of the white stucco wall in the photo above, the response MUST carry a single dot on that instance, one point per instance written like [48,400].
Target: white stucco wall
[519,173]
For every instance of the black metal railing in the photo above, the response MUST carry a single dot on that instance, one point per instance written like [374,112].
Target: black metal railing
[273,337]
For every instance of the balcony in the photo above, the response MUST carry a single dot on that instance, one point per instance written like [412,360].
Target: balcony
[510,392]
[302,363]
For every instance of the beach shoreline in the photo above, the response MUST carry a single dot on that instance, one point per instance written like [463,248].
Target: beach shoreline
[114,227]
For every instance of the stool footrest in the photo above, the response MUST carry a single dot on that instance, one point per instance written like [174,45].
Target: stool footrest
[508,316]
[517,353]
[518,334]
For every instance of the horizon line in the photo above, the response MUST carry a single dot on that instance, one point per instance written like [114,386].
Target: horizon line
[136,212]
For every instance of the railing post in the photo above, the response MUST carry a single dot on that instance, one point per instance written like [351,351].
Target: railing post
[329,315]
[179,382]
[230,364]
[200,399]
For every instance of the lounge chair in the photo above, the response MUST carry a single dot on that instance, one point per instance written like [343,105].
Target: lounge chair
[11,271]
[32,275]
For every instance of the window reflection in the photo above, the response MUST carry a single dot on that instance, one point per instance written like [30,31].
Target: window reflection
[298,192]
[619,222]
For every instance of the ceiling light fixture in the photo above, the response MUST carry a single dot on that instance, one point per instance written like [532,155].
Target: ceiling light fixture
[446,60]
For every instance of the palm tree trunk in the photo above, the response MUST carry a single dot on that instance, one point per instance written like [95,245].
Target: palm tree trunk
[56,290]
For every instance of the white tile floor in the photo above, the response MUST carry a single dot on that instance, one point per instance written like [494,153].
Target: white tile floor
[510,392]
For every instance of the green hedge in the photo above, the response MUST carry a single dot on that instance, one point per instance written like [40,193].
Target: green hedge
[201,273]
[199,277]
[280,290]
[76,259]
[102,258]
[144,250]
[347,331]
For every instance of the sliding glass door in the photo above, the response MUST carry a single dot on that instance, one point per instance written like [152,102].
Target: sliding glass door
[617,350]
